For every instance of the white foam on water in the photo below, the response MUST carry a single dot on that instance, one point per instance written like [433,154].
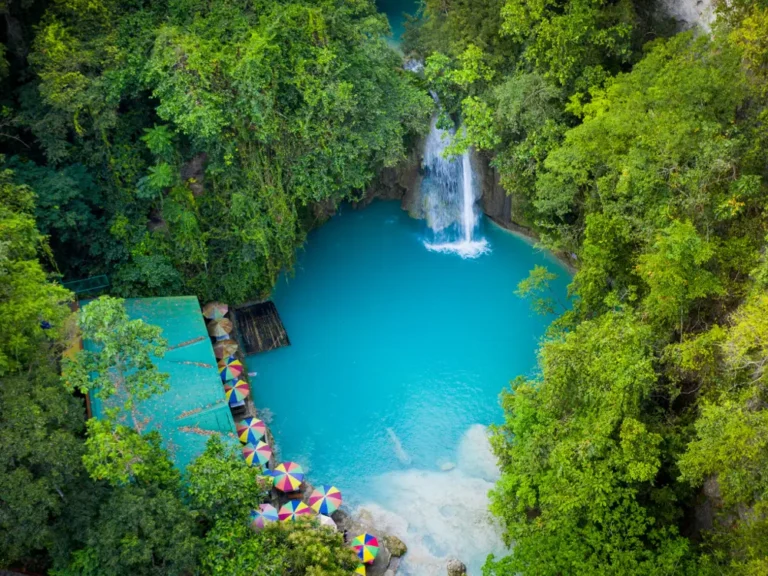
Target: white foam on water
[441,515]
[466,248]
[475,454]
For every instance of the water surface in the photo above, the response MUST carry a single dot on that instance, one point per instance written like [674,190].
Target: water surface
[394,9]
[397,358]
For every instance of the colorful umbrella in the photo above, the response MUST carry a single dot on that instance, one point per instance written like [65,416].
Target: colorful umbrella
[360,569]
[250,430]
[215,310]
[259,454]
[328,521]
[230,368]
[366,546]
[235,391]
[293,509]
[266,513]
[288,476]
[325,500]
[224,348]
[220,329]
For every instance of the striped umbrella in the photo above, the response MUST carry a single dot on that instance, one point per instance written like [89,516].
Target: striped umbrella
[215,310]
[261,517]
[220,329]
[292,509]
[236,391]
[288,476]
[360,569]
[224,348]
[366,546]
[325,500]
[230,368]
[258,454]
[250,430]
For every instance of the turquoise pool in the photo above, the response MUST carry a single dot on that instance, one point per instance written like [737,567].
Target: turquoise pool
[394,9]
[398,356]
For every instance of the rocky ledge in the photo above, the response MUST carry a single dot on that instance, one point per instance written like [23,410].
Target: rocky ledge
[391,548]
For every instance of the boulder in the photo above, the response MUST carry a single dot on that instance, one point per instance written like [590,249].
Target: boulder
[381,564]
[396,546]
[193,173]
[456,568]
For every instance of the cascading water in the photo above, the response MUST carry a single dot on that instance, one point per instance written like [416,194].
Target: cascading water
[448,197]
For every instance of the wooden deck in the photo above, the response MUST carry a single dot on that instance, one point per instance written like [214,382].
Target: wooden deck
[260,328]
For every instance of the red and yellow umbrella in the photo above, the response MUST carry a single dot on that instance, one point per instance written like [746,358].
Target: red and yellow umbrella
[236,391]
[288,476]
[250,430]
[367,547]
[258,454]
[230,368]
[293,509]
[325,500]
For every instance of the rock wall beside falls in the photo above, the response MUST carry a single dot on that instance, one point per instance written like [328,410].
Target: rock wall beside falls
[401,182]
[500,206]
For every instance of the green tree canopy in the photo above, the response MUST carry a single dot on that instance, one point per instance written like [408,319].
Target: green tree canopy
[121,363]
[581,489]
[215,128]
[33,308]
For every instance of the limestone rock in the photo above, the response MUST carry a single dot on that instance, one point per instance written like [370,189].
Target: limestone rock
[193,173]
[456,568]
[323,210]
[396,546]
[401,182]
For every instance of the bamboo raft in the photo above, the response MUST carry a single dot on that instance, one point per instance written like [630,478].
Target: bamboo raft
[260,328]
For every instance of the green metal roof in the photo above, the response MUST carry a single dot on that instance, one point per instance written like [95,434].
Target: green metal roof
[86,285]
[194,407]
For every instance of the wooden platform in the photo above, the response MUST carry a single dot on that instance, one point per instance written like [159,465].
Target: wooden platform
[260,328]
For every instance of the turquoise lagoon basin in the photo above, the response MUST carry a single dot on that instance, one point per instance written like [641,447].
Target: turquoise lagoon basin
[397,359]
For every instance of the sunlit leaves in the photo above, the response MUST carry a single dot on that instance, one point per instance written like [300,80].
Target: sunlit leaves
[675,272]
[120,455]
[33,308]
[580,458]
[119,359]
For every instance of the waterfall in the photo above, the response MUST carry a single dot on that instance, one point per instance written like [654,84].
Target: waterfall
[448,199]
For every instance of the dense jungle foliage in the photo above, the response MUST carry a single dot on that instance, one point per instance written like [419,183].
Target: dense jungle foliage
[182,146]
[177,147]
[640,446]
